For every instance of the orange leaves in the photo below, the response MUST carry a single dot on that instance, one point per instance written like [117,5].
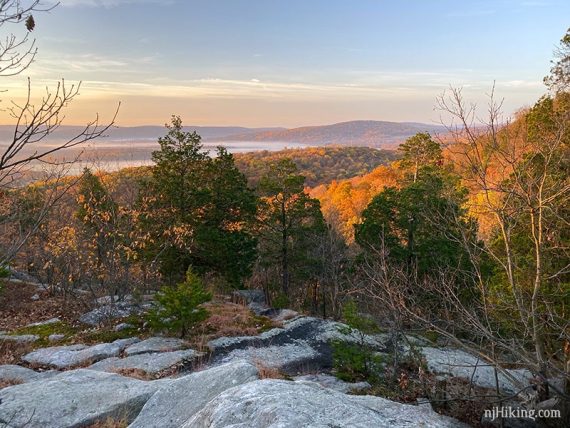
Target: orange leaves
[342,202]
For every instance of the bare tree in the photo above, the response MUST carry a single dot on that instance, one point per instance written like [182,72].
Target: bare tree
[34,120]
[518,175]
[18,51]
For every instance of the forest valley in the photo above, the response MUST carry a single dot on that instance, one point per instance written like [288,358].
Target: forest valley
[462,238]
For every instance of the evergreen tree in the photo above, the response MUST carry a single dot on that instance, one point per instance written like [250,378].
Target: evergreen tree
[178,309]
[417,225]
[289,220]
[198,209]
[419,152]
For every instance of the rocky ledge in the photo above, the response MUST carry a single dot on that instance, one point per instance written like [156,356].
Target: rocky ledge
[227,395]
[161,382]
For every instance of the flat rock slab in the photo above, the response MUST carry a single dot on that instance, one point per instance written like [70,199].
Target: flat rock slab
[56,337]
[22,339]
[177,402]
[17,374]
[311,330]
[67,357]
[458,363]
[109,300]
[46,322]
[148,365]
[156,344]
[290,358]
[277,403]
[303,343]
[331,382]
[74,399]
[106,313]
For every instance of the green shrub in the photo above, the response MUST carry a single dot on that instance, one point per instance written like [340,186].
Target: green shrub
[4,272]
[177,309]
[431,335]
[281,301]
[355,361]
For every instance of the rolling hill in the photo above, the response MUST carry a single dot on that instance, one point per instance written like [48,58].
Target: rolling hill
[355,133]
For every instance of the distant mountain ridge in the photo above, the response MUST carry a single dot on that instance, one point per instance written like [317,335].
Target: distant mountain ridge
[149,132]
[370,133]
[354,133]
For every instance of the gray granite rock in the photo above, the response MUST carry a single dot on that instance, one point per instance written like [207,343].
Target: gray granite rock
[290,358]
[156,344]
[458,363]
[106,313]
[22,276]
[17,374]
[22,338]
[149,365]
[303,344]
[106,300]
[67,357]
[75,398]
[46,322]
[123,326]
[174,404]
[56,337]
[277,403]
[332,382]
[260,309]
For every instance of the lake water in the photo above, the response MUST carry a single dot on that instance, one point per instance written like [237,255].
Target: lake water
[112,155]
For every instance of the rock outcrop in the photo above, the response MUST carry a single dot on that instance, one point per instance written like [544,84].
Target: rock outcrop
[458,363]
[11,373]
[278,403]
[228,392]
[177,402]
[332,382]
[303,344]
[21,338]
[106,313]
[150,366]
[156,344]
[73,399]
[67,357]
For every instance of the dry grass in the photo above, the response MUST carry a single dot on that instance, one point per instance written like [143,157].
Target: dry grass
[110,423]
[229,320]
[11,382]
[266,372]
[132,372]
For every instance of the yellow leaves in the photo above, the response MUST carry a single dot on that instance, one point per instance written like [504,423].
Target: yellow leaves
[180,236]
[62,241]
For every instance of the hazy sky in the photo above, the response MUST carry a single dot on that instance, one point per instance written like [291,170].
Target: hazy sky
[291,62]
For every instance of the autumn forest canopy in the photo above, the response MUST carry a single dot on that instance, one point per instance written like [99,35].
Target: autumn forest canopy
[462,235]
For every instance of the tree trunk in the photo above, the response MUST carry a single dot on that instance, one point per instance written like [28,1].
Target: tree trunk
[536,221]
[284,252]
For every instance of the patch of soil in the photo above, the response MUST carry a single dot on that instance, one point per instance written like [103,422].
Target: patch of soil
[11,352]
[17,309]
